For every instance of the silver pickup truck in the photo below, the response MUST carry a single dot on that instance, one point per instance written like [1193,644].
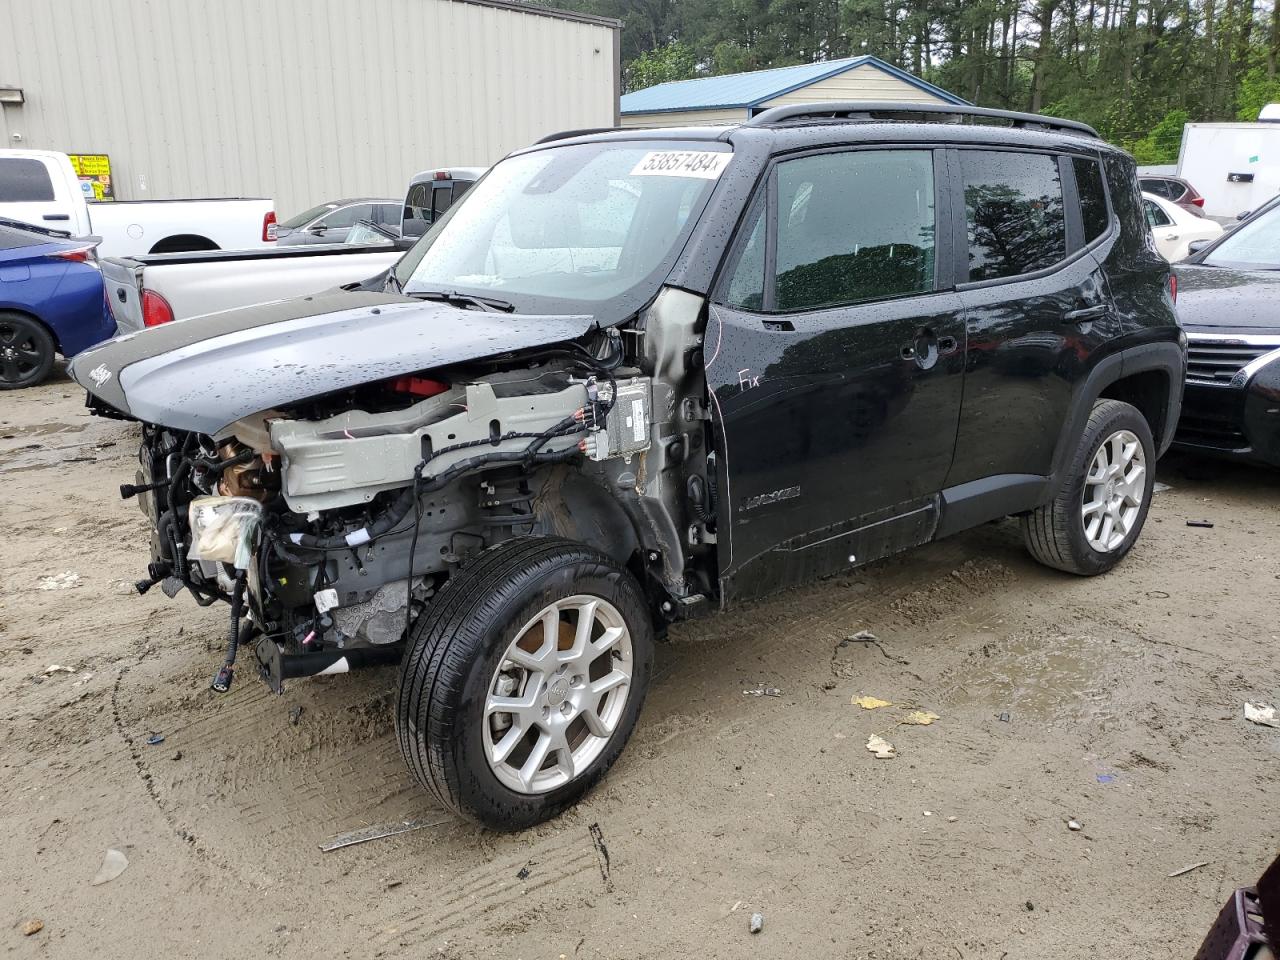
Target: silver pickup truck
[146,291]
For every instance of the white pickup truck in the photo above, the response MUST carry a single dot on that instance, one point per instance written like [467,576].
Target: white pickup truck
[151,290]
[41,187]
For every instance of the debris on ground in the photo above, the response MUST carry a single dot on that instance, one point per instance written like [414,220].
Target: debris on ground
[366,834]
[871,703]
[84,678]
[920,718]
[155,739]
[32,927]
[1208,524]
[1106,777]
[1003,716]
[59,581]
[113,865]
[1075,825]
[1262,714]
[295,714]
[761,690]
[1159,487]
[1188,868]
[525,871]
[757,923]
[57,668]
[862,636]
[952,819]
[881,748]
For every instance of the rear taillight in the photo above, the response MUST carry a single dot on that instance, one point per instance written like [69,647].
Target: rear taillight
[1198,201]
[269,227]
[78,254]
[1173,287]
[155,309]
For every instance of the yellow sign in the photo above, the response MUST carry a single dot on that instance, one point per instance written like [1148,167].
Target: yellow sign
[94,172]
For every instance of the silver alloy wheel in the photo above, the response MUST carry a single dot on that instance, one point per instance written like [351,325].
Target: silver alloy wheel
[1113,491]
[558,694]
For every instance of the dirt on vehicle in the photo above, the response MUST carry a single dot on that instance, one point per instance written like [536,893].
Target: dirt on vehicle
[1113,705]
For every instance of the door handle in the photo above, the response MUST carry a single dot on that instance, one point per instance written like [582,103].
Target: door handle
[56,216]
[1085,314]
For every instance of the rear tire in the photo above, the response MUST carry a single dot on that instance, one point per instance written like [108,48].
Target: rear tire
[1099,512]
[556,631]
[26,351]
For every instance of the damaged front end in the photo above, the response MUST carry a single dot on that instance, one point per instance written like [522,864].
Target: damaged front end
[329,504]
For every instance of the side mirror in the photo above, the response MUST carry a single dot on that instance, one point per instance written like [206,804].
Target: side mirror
[1195,246]
[404,243]
[1241,216]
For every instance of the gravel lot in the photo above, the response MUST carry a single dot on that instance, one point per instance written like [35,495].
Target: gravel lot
[1116,702]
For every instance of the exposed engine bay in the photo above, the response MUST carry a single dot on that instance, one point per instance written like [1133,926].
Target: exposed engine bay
[329,525]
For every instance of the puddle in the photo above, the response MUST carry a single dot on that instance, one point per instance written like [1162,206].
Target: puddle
[42,445]
[1063,677]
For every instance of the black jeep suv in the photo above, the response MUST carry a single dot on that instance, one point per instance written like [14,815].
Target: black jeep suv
[637,376]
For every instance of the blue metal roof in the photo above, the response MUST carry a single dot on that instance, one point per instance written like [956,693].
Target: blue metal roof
[759,86]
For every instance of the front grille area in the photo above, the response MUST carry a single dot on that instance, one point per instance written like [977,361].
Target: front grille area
[1217,361]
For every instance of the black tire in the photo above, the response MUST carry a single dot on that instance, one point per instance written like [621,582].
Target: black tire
[26,351]
[454,655]
[1055,532]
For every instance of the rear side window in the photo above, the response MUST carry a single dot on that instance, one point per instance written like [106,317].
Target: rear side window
[441,200]
[1093,198]
[388,213]
[1014,213]
[417,205]
[1155,216]
[853,227]
[24,181]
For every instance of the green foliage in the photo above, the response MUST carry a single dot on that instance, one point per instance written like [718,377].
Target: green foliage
[675,61]
[1256,91]
[1162,143]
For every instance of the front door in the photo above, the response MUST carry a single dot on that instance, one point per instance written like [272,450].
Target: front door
[835,362]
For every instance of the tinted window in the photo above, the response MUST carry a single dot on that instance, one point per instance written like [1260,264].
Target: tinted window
[306,216]
[346,216]
[1155,216]
[1014,210]
[12,238]
[388,213]
[1093,198]
[417,205]
[854,227]
[24,181]
[441,200]
[1176,189]
[746,285]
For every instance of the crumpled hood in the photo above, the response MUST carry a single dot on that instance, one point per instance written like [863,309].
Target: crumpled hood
[1228,300]
[204,373]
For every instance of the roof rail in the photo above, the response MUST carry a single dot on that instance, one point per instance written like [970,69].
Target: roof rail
[889,110]
[567,134]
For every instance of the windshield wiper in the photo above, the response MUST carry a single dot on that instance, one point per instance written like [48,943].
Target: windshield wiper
[454,298]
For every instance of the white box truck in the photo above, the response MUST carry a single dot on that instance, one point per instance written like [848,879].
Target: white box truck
[1235,166]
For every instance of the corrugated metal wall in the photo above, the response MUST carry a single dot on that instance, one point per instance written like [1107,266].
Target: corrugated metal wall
[299,100]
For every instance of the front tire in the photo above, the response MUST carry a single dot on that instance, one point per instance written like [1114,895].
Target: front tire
[1099,512]
[523,680]
[26,351]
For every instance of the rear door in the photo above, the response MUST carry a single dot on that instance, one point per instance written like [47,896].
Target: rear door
[834,358]
[32,190]
[1036,303]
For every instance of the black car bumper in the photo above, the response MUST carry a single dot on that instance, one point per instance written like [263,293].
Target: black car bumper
[1235,416]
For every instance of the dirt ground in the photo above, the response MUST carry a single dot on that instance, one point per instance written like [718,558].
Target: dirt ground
[1115,701]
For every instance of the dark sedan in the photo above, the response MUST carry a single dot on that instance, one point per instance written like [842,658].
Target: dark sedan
[1229,305]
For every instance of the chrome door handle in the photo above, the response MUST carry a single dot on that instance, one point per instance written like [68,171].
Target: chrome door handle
[1085,314]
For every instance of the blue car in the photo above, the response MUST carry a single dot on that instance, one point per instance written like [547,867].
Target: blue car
[52,300]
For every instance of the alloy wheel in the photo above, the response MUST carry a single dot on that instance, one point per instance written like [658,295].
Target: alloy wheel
[558,694]
[1113,491]
[20,354]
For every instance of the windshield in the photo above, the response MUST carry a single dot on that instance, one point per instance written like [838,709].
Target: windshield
[302,219]
[1251,246]
[570,228]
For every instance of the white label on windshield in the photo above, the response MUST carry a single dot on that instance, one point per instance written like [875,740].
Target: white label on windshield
[703,164]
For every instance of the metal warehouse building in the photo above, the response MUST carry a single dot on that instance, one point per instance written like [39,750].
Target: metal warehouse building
[735,97]
[298,100]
